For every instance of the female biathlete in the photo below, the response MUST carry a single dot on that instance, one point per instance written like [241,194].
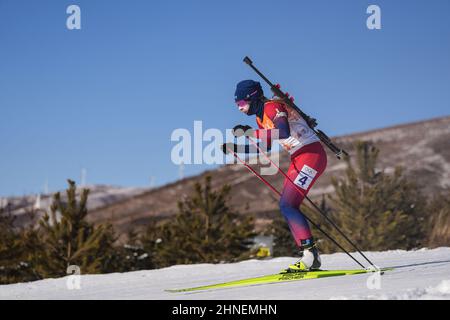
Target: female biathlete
[308,161]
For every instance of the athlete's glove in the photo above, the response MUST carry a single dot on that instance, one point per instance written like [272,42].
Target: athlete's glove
[226,147]
[242,130]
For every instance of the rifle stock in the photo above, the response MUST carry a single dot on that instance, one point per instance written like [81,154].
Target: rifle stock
[312,123]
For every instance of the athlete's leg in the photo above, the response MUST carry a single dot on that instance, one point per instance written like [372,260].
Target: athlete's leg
[290,208]
[304,170]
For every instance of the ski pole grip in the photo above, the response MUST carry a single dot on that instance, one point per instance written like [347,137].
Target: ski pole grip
[248,61]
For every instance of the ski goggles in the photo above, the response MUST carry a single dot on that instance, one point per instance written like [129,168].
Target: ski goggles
[242,103]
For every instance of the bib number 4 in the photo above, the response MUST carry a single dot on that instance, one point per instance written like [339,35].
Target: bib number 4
[305,177]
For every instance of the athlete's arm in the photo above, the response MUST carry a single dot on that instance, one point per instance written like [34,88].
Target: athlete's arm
[278,115]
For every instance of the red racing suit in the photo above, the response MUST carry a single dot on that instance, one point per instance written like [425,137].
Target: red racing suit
[308,161]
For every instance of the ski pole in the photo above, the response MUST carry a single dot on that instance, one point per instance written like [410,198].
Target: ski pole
[311,202]
[307,218]
[255,173]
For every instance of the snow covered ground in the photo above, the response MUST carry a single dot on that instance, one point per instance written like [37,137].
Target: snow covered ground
[420,274]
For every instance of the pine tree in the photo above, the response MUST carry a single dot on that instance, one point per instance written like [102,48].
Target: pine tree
[153,245]
[131,256]
[378,211]
[8,247]
[439,223]
[14,245]
[66,238]
[204,230]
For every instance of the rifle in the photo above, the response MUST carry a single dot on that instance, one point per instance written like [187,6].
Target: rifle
[312,123]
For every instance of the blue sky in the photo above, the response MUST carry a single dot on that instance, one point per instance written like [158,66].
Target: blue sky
[107,97]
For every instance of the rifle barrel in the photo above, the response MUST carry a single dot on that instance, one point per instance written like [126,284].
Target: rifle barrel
[310,121]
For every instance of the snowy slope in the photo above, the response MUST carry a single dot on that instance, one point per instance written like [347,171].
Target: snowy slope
[421,274]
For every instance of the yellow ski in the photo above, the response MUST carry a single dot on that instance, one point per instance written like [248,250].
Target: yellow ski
[279,277]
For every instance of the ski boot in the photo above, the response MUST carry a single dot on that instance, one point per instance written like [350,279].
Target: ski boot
[309,258]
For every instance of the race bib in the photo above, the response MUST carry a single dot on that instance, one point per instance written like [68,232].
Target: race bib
[305,177]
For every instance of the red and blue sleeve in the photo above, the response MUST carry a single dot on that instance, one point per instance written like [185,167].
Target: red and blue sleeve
[278,115]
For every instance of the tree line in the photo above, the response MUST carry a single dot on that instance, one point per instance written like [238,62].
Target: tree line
[379,211]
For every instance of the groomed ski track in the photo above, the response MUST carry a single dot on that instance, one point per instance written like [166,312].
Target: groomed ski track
[418,274]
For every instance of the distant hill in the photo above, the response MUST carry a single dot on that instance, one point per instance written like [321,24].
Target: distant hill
[99,196]
[422,148]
